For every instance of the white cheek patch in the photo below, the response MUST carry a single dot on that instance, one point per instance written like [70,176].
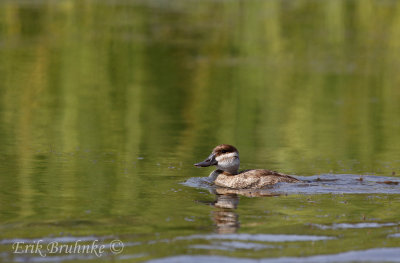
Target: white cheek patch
[227,157]
[228,162]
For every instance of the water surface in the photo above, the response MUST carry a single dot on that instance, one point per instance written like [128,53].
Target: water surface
[105,106]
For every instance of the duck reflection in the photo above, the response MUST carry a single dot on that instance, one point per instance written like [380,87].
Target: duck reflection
[225,218]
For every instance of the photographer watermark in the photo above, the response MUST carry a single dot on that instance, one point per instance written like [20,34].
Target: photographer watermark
[95,247]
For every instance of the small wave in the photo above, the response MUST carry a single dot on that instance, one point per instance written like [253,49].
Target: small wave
[257,237]
[354,226]
[231,246]
[391,254]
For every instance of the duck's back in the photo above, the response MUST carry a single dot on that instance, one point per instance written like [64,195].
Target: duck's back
[254,179]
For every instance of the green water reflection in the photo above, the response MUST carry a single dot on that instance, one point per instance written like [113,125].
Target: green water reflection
[105,105]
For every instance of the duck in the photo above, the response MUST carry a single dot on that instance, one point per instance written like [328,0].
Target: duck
[226,159]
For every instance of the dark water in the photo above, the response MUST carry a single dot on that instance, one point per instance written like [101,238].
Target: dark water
[105,105]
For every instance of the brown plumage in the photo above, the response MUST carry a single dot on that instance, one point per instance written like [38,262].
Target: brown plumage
[252,179]
[224,148]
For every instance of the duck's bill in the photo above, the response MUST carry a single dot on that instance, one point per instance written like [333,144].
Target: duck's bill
[207,162]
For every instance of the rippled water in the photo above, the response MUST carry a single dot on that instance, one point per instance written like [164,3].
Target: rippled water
[317,184]
[371,255]
[105,106]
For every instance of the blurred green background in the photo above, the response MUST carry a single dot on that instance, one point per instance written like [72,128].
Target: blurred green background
[105,105]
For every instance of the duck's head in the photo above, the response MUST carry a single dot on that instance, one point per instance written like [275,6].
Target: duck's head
[225,157]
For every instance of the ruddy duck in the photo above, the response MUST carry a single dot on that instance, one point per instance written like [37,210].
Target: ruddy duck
[226,158]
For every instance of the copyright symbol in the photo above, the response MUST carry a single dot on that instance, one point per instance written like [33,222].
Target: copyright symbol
[116,246]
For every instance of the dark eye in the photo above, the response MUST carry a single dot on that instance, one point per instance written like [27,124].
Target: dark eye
[224,151]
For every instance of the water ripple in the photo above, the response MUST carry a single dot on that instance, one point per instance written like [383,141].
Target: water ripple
[370,255]
[323,184]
